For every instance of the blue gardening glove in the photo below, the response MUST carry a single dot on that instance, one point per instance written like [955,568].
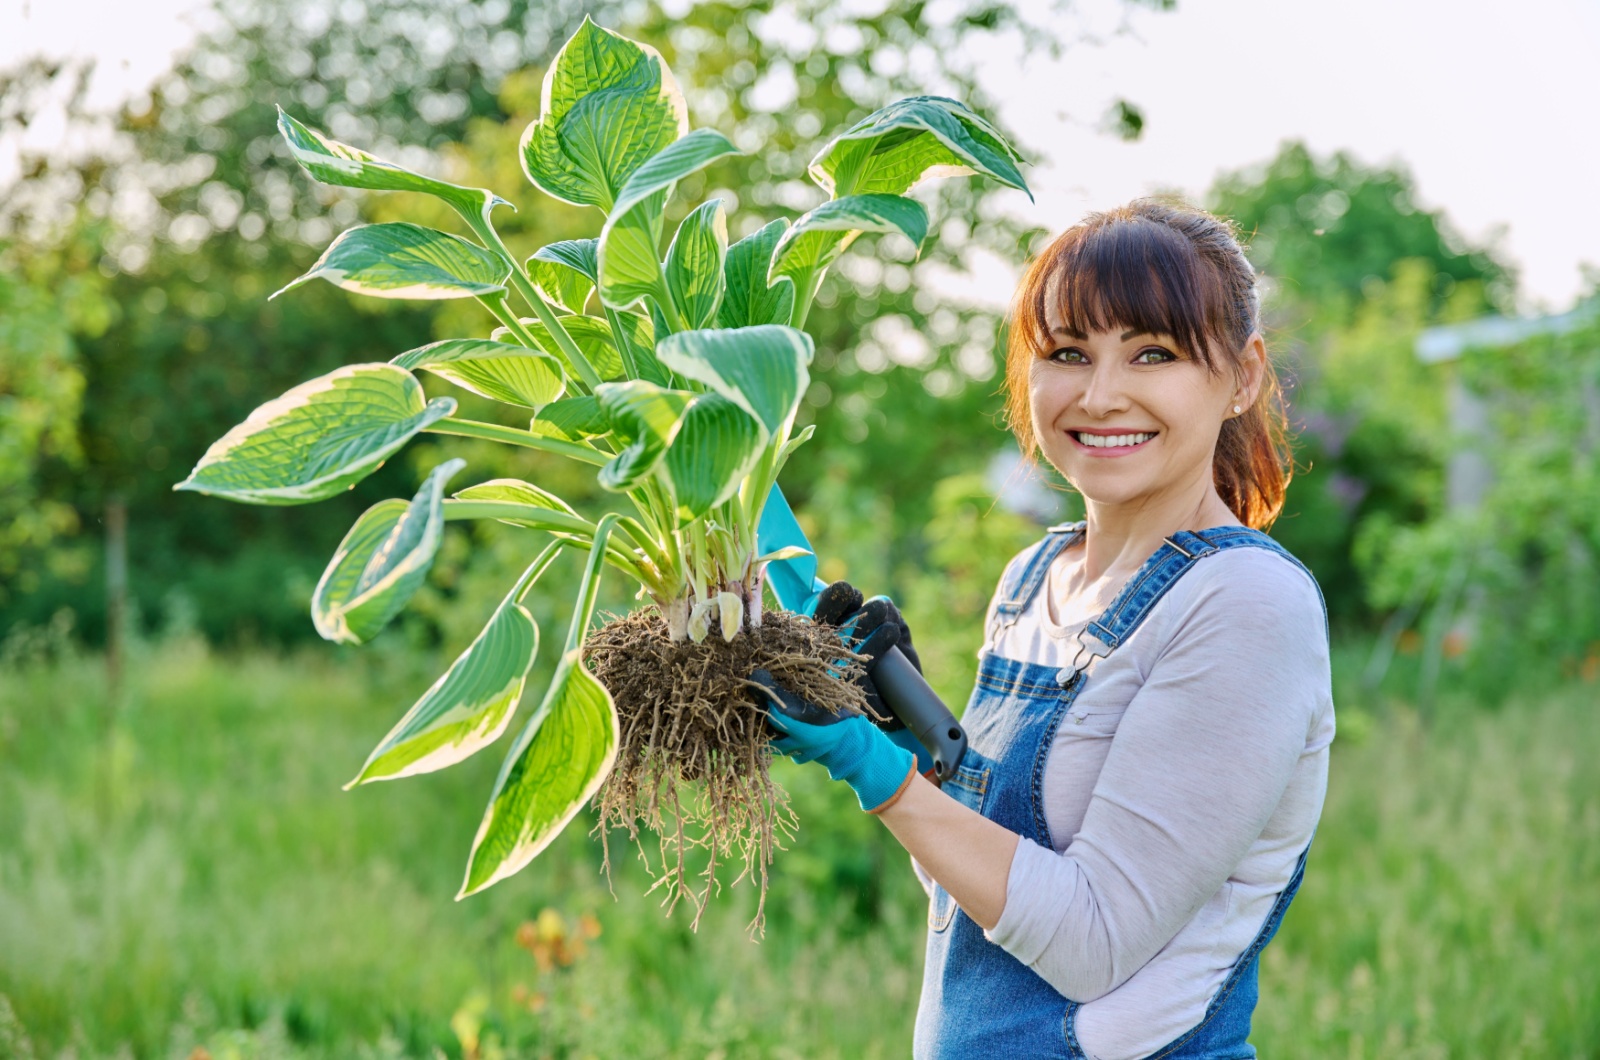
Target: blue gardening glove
[848,746]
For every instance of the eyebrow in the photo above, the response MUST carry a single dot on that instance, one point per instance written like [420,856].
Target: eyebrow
[1126,335]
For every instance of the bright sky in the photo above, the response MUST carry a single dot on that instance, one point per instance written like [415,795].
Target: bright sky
[1492,105]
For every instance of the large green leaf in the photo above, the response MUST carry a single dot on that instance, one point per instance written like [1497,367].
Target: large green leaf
[401,260]
[468,707]
[333,162]
[498,370]
[674,162]
[892,149]
[750,299]
[580,255]
[594,337]
[381,562]
[716,446]
[319,439]
[819,237]
[694,265]
[630,242]
[517,492]
[571,419]
[561,757]
[566,272]
[644,418]
[608,104]
[761,369]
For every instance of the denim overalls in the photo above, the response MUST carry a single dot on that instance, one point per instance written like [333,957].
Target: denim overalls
[977,999]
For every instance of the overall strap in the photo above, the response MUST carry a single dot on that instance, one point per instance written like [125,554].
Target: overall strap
[1021,581]
[1169,563]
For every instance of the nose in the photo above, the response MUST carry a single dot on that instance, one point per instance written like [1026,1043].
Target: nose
[1103,392]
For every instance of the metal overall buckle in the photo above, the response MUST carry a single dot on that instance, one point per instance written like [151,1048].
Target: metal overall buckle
[1084,658]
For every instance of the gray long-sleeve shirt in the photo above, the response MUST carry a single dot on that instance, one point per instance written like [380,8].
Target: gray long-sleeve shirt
[1180,792]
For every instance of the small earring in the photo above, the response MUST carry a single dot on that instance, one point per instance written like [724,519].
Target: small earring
[1237,410]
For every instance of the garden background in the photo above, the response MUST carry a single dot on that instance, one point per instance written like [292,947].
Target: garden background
[179,874]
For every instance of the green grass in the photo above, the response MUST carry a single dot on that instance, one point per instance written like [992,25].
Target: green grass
[195,877]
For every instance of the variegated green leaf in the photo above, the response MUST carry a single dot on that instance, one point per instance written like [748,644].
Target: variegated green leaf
[761,369]
[750,299]
[400,260]
[498,370]
[561,757]
[716,445]
[517,492]
[580,255]
[319,439]
[819,237]
[671,164]
[566,271]
[892,149]
[468,707]
[644,418]
[786,552]
[608,104]
[593,337]
[630,242]
[381,562]
[336,163]
[629,269]
[571,419]
[694,265]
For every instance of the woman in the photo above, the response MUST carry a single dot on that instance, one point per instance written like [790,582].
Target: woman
[1149,732]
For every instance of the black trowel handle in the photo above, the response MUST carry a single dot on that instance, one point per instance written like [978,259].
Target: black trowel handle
[923,712]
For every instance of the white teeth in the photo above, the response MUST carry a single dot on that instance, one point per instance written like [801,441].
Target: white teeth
[1107,441]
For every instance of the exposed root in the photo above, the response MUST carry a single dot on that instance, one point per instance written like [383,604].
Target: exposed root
[692,764]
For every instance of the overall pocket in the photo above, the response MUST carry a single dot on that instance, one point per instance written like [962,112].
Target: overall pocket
[970,787]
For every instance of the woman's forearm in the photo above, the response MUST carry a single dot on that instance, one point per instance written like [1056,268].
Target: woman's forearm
[966,854]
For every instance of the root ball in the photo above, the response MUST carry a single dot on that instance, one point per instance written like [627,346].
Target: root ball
[692,763]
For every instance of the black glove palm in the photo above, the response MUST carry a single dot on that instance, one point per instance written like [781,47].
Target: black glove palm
[870,628]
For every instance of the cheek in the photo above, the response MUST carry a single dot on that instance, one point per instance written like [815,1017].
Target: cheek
[1044,395]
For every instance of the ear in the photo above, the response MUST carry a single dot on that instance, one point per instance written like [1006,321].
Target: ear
[1251,369]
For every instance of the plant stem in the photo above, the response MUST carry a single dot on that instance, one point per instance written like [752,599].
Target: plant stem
[619,335]
[485,230]
[496,304]
[493,432]
[803,296]
[540,563]
[646,543]
[574,530]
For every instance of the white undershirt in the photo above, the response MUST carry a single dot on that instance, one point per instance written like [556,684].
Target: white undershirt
[1180,791]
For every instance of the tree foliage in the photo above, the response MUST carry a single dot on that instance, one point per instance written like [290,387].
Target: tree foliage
[1324,229]
[1354,269]
[203,220]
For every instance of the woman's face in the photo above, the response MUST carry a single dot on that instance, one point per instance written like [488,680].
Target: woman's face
[1128,418]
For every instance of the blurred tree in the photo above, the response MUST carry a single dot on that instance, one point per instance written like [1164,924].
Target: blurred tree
[1323,229]
[1355,269]
[48,297]
[203,215]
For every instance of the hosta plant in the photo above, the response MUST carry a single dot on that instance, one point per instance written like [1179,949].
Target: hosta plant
[674,368]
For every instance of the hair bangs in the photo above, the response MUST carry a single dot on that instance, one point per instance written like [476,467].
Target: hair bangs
[1136,276]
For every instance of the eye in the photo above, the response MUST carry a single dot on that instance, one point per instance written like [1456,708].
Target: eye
[1067,355]
[1154,355]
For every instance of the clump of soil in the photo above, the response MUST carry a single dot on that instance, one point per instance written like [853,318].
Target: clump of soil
[692,763]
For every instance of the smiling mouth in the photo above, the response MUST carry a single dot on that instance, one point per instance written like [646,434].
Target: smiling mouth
[1110,444]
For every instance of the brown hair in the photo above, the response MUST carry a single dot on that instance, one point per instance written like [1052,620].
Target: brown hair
[1165,268]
